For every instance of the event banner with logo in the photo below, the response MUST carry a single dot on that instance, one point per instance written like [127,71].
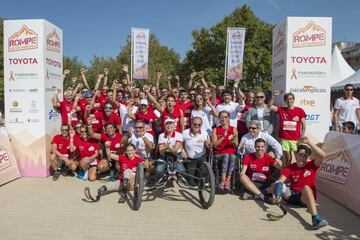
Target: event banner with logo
[140,52]
[8,166]
[302,65]
[32,70]
[235,53]
[339,175]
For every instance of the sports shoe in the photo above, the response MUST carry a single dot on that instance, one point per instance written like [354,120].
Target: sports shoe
[222,185]
[122,197]
[319,222]
[56,175]
[227,185]
[246,196]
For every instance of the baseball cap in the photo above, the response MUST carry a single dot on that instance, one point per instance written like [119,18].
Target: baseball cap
[169,120]
[144,101]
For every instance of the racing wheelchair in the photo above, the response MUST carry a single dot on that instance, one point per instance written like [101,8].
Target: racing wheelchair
[204,179]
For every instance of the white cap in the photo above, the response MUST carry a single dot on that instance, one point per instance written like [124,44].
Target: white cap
[169,120]
[144,101]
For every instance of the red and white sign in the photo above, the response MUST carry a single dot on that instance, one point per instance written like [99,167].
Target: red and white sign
[53,41]
[23,39]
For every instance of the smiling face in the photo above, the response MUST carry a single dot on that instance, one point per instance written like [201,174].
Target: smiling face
[139,128]
[108,109]
[169,127]
[196,124]
[254,130]
[260,149]
[301,157]
[65,131]
[130,152]
[110,130]
[224,119]
[170,103]
[227,97]
[260,99]
[84,133]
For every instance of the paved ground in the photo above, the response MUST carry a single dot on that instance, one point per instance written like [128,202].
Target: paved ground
[33,208]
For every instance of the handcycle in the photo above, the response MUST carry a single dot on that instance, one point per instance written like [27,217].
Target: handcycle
[204,179]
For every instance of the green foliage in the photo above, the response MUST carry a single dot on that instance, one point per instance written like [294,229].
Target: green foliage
[209,49]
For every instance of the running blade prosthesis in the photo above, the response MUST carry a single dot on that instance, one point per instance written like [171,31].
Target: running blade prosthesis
[276,217]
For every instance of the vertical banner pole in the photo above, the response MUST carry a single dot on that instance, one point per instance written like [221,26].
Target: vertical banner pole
[132,54]
[226,56]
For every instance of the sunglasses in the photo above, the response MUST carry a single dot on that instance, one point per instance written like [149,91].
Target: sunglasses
[349,89]
[206,92]
[64,130]
[136,127]
[83,131]
[252,128]
[259,97]
[108,107]
[197,124]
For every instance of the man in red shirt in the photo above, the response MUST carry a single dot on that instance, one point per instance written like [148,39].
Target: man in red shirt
[292,125]
[60,152]
[186,106]
[145,113]
[302,175]
[256,172]
[65,107]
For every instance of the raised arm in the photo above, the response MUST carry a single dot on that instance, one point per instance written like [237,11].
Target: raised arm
[66,72]
[98,81]
[158,76]
[153,100]
[192,75]
[202,79]
[83,71]
[106,72]
[169,82]
[178,82]
[321,154]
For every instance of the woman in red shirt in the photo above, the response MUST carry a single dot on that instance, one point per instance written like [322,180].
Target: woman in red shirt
[225,140]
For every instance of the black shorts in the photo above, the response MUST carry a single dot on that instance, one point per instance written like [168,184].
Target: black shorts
[295,199]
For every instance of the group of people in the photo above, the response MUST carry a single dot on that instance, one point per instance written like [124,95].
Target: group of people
[110,130]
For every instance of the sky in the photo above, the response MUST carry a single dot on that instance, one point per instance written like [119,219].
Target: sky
[101,27]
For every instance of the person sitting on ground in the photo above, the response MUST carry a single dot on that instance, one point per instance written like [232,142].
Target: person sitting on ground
[302,175]
[225,140]
[127,165]
[255,174]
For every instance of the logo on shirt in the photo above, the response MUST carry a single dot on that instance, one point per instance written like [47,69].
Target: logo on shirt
[307,173]
[265,168]
[296,118]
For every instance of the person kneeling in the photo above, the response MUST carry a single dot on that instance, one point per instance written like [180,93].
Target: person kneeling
[128,163]
[256,172]
[302,175]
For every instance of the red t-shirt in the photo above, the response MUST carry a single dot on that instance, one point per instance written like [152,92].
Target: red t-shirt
[299,177]
[126,163]
[176,115]
[65,108]
[115,141]
[86,148]
[226,146]
[149,119]
[62,144]
[258,168]
[241,125]
[186,107]
[290,122]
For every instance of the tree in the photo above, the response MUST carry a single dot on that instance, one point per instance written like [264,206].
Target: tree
[209,48]
[74,65]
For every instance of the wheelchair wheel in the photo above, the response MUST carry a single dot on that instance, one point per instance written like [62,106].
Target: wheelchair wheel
[138,186]
[206,186]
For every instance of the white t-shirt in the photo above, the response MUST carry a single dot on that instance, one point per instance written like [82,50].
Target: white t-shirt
[347,110]
[171,139]
[207,119]
[233,109]
[260,113]
[140,144]
[126,122]
[195,144]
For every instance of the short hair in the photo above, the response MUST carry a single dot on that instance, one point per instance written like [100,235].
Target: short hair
[304,147]
[348,85]
[130,144]
[65,125]
[256,123]
[109,90]
[183,91]
[350,125]
[110,123]
[197,117]
[260,140]
[170,96]
[224,111]
[289,94]
[140,121]
[226,91]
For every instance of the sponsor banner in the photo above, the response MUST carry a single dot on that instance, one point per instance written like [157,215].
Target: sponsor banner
[339,174]
[306,53]
[32,64]
[8,166]
[140,52]
[235,53]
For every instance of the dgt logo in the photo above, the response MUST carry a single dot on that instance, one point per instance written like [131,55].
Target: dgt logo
[309,36]
[312,117]
[24,39]
[53,42]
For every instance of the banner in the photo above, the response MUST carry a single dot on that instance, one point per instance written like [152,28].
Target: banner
[339,174]
[235,53]
[140,53]
[8,166]
[302,65]
[32,69]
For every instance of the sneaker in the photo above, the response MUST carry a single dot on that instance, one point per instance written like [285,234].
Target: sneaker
[227,185]
[56,175]
[70,173]
[246,196]
[222,185]
[80,173]
[122,197]
[319,222]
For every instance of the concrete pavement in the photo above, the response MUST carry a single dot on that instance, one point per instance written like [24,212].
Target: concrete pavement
[38,208]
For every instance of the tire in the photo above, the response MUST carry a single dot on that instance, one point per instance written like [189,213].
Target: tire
[138,186]
[206,185]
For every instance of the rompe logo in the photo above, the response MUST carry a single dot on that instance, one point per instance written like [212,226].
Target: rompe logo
[336,167]
[24,39]
[279,43]
[53,41]
[4,158]
[309,36]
